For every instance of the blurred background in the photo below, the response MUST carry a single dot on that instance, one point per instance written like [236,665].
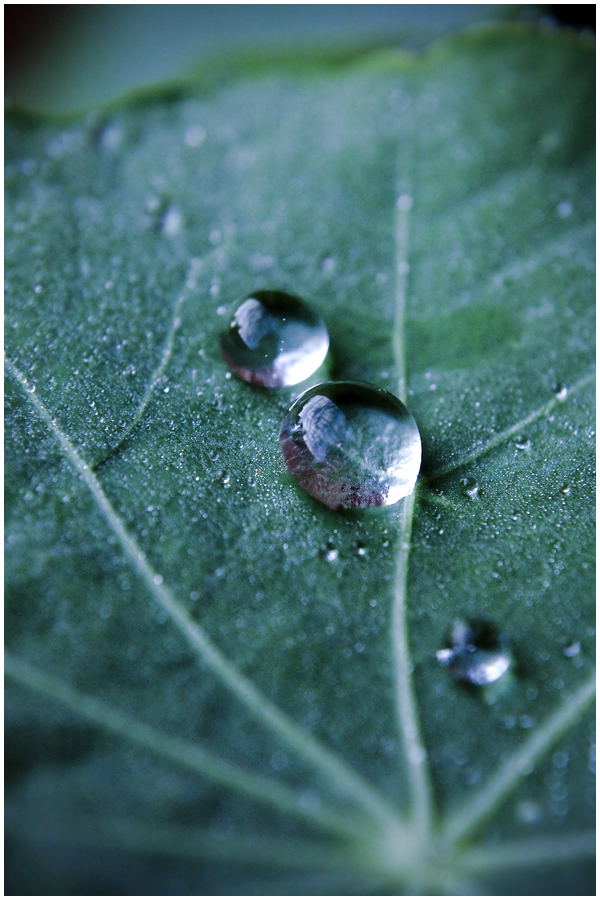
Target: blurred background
[63,58]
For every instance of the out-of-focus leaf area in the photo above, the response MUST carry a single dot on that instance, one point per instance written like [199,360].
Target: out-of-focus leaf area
[216,684]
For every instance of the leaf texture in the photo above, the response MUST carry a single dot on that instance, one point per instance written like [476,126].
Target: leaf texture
[203,698]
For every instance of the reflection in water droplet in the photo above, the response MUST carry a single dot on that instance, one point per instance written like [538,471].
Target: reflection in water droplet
[351,445]
[470,488]
[479,654]
[329,555]
[523,442]
[274,339]
[560,390]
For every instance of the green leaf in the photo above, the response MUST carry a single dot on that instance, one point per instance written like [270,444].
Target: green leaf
[202,700]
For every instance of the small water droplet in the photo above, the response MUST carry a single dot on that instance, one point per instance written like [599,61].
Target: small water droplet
[523,442]
[359,549]
[329,553]
[560,390]
[560,760]
[351,445]
[470,488]
[565,489]
[172,222]
[195,135]
[573,649]
[564,209]
[275,339]
[526,721]
[528,811]
[404,202]
[479,653]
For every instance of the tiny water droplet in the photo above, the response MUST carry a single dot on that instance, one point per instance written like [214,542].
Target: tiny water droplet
[470,488]
[351,445]
[479,653]
[30,388]
[195,135]
[329,553]
[573,649]
[523,442]
[359,549]
[564,209]
[560,390]
[527,811]
[565,489]
[274,340]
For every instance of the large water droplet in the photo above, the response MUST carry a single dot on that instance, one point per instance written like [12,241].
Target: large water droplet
[479,654]
[274,339]
[351,445]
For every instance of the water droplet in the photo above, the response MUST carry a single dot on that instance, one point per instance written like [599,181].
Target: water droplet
[528,811]
[195,135]
[329,553]
[565,489]
[470,488]
[560,760]
[479,653]
[404,203]
[523,442]
[564,209]
[172,222]
[560,390]
[351,445]
[573,649]
[275,339]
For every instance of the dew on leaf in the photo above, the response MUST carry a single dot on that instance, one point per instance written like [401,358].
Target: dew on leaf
[527,811]
[565,489]
[274,340]
[195,135]
[526,721]
[478,654]
[329,553]
[564,209]
[351,445]
[522,442]
[470,488]
[573,649]
[560,390]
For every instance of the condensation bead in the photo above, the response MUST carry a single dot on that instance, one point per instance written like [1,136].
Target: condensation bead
[351,445]
[479,654]
[274,339]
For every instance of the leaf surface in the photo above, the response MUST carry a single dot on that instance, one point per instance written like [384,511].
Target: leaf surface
[200,692]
